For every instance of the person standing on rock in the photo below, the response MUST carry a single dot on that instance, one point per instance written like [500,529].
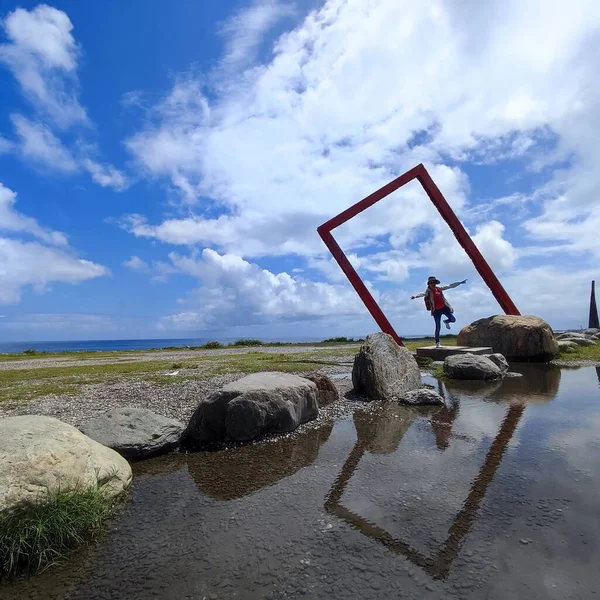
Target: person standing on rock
[436,302]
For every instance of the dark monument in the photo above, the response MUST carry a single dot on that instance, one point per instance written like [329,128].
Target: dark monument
[593,309]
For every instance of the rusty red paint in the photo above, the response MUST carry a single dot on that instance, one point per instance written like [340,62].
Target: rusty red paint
[435,195]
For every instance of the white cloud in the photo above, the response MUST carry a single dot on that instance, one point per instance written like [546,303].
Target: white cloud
[106,175]
[42,55]
[245,30]
[35,263]
[322,124]
[236,292]
[39,144]
[6,146]
[15,222]
[135,263]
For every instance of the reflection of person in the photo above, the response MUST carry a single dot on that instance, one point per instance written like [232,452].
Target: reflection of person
[436,302]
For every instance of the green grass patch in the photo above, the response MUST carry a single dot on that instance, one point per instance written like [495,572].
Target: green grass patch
[212,346]
[35,537]
[341,340]
[243,343]
[591,353]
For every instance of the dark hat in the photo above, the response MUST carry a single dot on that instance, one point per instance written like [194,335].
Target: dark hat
[433,279]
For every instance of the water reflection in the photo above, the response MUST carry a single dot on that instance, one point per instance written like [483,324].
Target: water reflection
[539,384]
[376,435]
[237,472]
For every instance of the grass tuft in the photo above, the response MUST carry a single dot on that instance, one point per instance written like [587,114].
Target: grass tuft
[247,342]
[35,537]
[214,345]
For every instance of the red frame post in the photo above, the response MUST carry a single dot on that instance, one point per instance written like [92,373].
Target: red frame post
[435,195]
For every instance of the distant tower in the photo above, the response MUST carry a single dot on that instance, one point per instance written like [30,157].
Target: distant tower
[593,309]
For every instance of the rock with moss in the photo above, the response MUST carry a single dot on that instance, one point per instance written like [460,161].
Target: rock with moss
[383,370]
[579,341]
[41,456]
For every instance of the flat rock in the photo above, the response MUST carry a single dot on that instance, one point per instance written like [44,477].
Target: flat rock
[471,366]
[383,370]
[423,396]
[327,392]
[42,455]
[580,341]
[518,338]
[256,405]
[135,432]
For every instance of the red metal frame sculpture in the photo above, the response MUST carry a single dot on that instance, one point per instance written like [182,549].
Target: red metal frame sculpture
[419,173]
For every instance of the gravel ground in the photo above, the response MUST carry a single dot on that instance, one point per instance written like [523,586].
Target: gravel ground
[176,400]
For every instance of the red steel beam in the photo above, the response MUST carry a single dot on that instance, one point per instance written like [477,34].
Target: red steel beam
[435,195]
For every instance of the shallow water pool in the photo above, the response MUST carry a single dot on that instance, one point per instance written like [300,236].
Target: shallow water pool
[496,496]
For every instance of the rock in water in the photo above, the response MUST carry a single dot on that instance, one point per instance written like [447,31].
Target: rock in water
[256,405]
[423,396]
[134,432]
[471,366]
[328,393]
[383,370]
[42,455]
[499,361]
[518,338]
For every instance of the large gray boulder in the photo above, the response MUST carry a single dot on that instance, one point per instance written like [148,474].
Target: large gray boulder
[518,338]
[383,370]
[256,405]
[327,392]
[424,396]
[471,366]
[42,455]
[135,432]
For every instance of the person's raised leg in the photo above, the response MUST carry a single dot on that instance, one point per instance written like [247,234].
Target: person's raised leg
[450,318]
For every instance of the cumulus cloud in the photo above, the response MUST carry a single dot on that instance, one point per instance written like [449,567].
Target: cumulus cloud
[42,55]
[105,175]
[135,263]
[13,221]
[35,263]
[235,292]
[323,123]
[40,145]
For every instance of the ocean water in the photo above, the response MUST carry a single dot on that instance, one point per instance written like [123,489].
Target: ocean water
[119,345]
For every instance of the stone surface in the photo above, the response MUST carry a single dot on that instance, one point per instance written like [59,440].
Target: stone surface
[499,360]
[471,366]
[135,432]
[567,346]
[41,455]
[580,341]
[569,335]
[518,338]
[423,396]
[383,370]
[256,405]
[439,354]
[327,392]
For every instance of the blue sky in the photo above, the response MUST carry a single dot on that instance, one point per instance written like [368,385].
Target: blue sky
[163,172]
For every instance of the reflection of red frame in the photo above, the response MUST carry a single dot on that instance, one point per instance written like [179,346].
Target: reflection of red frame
[420,173]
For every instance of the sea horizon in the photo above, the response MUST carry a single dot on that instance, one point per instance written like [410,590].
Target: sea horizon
[56,346]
